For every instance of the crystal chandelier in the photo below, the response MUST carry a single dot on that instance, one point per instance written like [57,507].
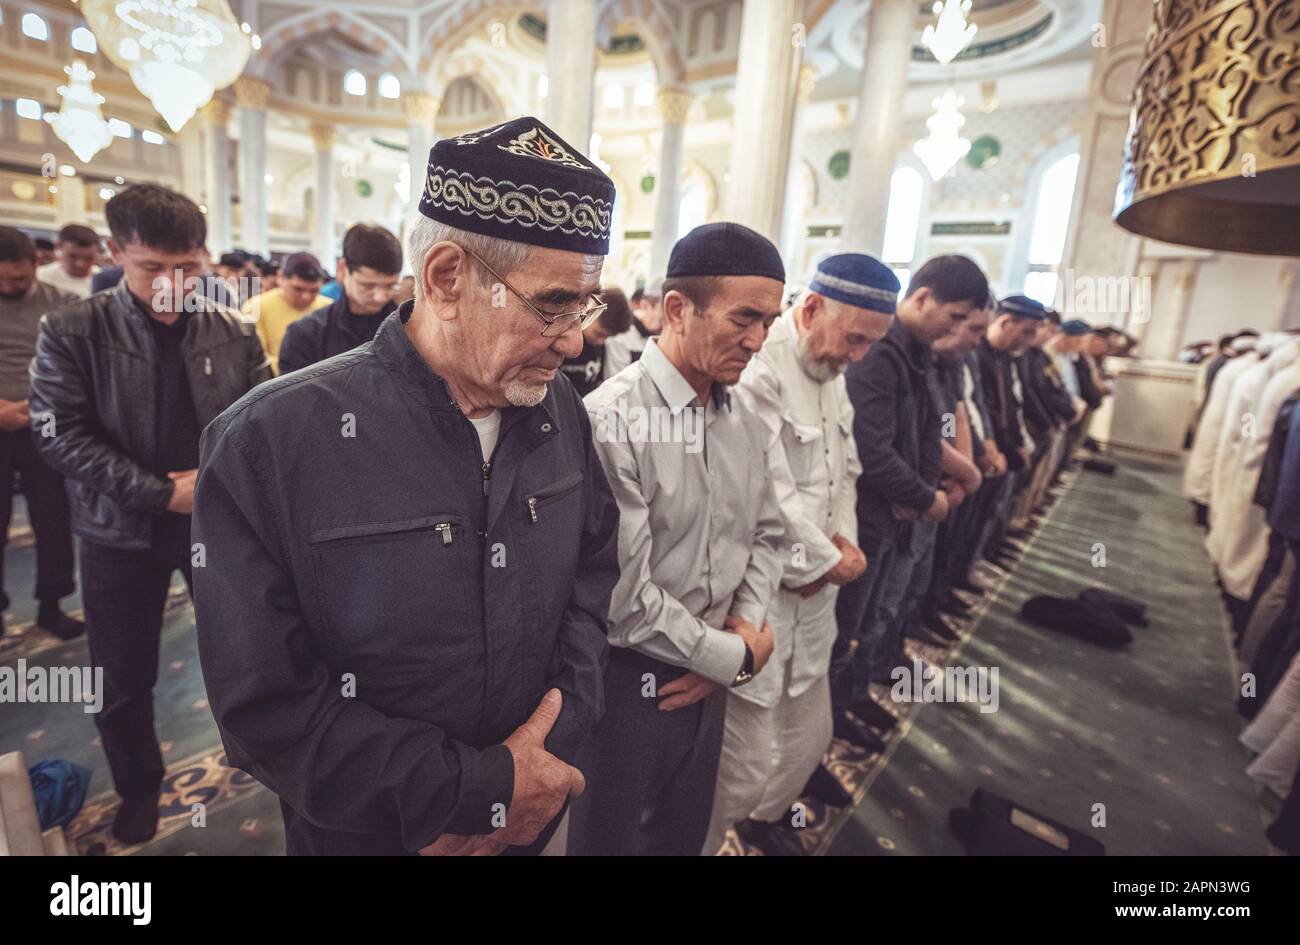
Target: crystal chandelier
[944,146]
[177,52]
[79,123]
[947,39]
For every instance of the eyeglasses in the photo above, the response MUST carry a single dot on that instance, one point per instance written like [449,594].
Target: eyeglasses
[552,325]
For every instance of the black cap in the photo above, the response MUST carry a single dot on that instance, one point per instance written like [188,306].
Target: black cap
[1022,306]
[725,249]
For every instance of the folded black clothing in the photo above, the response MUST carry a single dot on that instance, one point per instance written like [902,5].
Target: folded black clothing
[1100,465]
[1087,621]
[996,826]
[1125,608]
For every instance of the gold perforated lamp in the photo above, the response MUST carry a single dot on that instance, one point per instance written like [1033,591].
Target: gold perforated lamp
[177,52]
[1213,152]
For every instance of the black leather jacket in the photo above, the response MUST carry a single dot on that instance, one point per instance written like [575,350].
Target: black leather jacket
[93,403]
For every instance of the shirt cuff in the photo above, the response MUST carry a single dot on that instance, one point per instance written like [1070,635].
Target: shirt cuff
[721,657]
[487,779]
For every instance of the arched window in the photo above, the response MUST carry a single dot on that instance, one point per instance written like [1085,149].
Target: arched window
[902,221]
[35,27]
[354,83]
[83,40]
[693,208]
[390,86]
[613,96]
[1047,237]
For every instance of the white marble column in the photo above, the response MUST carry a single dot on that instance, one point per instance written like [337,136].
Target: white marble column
[252,95]
[1097,249]
[323,137]
[216,178]
[571,69]
[673,105]
[420,109]
[792,216]
[766,75]
[891,32]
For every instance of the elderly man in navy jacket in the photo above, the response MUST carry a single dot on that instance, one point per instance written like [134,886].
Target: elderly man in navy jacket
[410,547]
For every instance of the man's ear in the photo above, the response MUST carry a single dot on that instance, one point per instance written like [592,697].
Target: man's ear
[676,308]
[341,270]
[444,278]
[115,251]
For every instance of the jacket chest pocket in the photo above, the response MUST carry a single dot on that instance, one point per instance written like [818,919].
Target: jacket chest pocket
[805,449]
[397,591]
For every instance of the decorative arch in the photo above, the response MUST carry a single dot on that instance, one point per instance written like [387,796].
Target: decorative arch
[653,27]
[286,35]
[451,30]
[467,62]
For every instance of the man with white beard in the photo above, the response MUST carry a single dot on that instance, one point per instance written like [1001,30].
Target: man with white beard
[778,727]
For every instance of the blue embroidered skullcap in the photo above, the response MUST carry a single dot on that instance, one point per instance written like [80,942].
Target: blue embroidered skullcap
[859,280]
[1075,327]
[725,249]
[1022,306]
[520,181]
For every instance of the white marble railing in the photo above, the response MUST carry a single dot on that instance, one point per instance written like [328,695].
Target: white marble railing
[1151,406]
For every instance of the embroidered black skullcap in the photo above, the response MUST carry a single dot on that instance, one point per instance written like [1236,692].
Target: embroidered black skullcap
[725,249]
[520,181]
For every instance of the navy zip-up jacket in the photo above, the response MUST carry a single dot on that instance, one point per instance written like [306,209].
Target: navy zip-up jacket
[898,430]
[378,609]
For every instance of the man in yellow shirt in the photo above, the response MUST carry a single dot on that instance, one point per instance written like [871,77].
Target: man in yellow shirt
[297,294]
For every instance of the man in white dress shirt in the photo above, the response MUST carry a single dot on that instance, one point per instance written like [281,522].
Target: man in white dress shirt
[701,549]
[74,263]
[778,727]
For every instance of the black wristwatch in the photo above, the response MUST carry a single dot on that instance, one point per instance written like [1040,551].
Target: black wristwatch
[746,668]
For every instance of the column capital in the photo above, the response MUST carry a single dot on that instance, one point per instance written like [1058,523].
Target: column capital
[808,76]
[251,92]
[673,104]
[420,107]
[323,136]
[216,113]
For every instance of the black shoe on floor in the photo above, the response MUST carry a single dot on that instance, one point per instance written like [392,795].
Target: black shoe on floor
[137,819]
[825,787]
[58,623]
[954,606]
[964,583]
[939,627]
[926,638]
[857,733]
[1005,562]
[1019,534]
[874,714]
[772,839]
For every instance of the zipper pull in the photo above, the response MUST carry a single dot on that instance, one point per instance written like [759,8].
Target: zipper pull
[487,471]
[207,364]
[532,509]
[445,528]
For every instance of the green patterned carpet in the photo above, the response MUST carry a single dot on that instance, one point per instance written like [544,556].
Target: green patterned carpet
[1149,732]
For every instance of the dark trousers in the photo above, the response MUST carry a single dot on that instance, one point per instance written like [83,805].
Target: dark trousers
[124,593]
[853,609]
[650,774]
[47,509]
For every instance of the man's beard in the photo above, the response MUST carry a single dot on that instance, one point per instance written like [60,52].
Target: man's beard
[525,395]
[819,371]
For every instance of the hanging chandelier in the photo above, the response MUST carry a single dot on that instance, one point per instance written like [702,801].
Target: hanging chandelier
[79,123]
[177,52]
[944,146]
[951,34]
